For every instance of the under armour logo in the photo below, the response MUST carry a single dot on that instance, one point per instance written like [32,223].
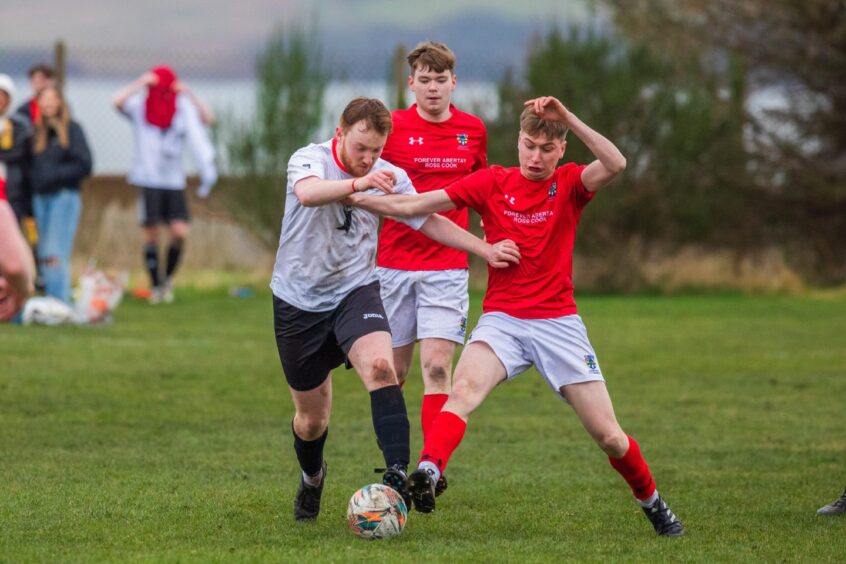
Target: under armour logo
[413,140]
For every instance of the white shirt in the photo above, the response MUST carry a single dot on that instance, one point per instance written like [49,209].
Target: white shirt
[157,161]
[323,256]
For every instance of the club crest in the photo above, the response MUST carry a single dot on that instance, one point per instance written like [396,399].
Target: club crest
[462,138]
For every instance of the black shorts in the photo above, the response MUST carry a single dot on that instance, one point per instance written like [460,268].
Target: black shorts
[158,205]
[313,343]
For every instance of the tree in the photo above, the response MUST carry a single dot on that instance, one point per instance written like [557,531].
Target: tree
[795,52]
[289,106]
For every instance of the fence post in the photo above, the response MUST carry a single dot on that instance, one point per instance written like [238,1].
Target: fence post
[60,56]
[399,77]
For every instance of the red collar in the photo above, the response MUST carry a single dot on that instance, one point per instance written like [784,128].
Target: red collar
[335,156]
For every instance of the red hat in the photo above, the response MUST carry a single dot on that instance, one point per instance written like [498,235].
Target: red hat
[161,98]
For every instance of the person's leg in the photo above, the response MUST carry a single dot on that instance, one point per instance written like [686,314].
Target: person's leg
[592,404]
[310,428]
[403,356]
[178,230]
[47,217]
[151,259]
[65,220]
[436,363]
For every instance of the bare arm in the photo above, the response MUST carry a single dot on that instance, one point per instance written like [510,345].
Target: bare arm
[403,205]
[500,255]
[313,191]
[17,270]
[610,161]
[136,85]
[206,115]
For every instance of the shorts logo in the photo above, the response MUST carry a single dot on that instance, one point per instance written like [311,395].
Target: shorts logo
[462,327]
[372,316]
[590,361]
[462,139]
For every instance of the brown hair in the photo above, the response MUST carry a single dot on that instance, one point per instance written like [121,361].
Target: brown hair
[43,68]
[531,124]
[433,56]
[60,124]
[374,113]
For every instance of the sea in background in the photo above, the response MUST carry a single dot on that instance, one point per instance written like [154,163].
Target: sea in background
[110,137]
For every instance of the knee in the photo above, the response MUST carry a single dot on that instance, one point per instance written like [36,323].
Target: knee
[310,426]
[437,374]
[614,443]
[382,373]
[463,389]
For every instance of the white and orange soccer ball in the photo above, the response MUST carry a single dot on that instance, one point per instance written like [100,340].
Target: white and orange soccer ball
[376,511]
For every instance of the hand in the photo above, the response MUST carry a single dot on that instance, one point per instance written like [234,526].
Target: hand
[10,301]
[354,199]
[149,79]
[548,108]
[204,190]
[180,86]
[382,179]
[503,254]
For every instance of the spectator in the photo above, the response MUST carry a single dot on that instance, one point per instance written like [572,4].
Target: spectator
[15,134]
[41,76]
[16,268]
[60,160]
[162,121]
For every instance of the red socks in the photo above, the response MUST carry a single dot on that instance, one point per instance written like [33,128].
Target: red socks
[443,437]
[432,404]
[634,470]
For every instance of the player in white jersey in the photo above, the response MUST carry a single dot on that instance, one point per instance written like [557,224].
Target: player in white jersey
[327,308]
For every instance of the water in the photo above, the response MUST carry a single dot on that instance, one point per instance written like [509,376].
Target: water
[110,137]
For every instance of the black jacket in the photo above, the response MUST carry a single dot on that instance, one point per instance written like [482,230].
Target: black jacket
[14,152]
[57,168]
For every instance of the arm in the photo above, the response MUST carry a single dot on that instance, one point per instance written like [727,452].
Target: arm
[313,191]
[139,83]
[17,270]
[201,148]
[404,205]
[206,115]
[500,255]
[610,161]
[77,164]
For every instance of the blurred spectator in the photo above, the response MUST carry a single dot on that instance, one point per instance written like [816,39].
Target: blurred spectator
[15,134]
[41,76]
[162,121]
[17,271]
[60,160]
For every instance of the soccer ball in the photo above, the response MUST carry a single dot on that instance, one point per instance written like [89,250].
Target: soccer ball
[376,511]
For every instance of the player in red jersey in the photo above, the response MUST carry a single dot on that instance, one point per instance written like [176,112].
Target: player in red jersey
[529,315]
[424,283]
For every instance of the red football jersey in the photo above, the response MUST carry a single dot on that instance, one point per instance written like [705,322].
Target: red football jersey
[434,155]
[541,217]
[2,189]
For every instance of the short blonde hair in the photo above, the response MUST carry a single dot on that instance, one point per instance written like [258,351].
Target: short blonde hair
[433,56]
[372,111]
[532,125]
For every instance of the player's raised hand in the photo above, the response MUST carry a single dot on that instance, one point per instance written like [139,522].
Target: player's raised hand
[548,108]
[503,254]
[382,179]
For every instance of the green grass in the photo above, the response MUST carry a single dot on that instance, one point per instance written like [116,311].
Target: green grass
[165,437]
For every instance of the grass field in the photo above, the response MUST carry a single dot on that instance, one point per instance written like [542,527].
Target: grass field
[166,437]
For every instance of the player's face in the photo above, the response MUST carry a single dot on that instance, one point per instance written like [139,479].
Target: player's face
[359,148]
[539,155]
[432,91]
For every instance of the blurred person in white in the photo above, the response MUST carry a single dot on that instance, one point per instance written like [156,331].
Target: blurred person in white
[17,271]
[60,161]
[164,114]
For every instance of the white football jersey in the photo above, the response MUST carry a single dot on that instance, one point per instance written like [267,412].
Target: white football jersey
[327,251]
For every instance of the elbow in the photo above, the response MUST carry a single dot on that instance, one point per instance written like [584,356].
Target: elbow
[619,165]
[304,198]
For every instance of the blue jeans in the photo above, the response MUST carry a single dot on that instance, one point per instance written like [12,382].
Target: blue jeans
[57,215]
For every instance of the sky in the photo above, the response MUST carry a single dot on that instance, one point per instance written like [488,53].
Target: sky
[224,31]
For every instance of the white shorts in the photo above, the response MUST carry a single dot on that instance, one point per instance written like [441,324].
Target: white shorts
[557,347]
[425,304]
